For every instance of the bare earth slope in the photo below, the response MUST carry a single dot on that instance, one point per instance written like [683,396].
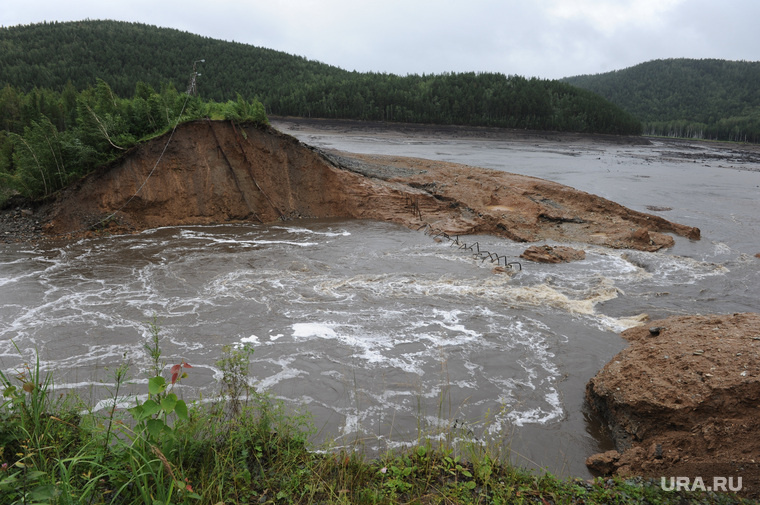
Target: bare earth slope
[683,400]
[213,172]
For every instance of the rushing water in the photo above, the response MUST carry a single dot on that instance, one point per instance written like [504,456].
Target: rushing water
[380,331]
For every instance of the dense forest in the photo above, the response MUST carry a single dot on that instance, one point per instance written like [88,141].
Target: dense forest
[76,95]
[51,55]
[50,138]
[712,99]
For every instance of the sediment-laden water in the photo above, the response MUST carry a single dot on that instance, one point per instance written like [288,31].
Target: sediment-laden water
[380,331]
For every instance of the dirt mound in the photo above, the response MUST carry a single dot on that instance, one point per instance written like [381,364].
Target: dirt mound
[214,172]
[549,254]
[683,400]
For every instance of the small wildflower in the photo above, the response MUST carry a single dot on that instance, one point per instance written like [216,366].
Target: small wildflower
[4,467]
[384,469]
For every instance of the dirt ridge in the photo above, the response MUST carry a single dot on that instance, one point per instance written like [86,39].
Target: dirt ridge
[216,172]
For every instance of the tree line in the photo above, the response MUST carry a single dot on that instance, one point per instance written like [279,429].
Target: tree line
[49,55]
[473,99]
[708,98]
[50,138]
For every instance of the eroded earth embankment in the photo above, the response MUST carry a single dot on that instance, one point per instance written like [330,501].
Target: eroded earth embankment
[215,172]
[683,400]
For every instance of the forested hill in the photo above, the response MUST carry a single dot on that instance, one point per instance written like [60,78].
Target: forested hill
[686,97]
[50,55]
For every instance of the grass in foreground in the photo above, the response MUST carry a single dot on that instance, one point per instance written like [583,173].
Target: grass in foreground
[245,449]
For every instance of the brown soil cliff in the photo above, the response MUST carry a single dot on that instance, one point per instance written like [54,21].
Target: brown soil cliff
[213,172]
[684,400]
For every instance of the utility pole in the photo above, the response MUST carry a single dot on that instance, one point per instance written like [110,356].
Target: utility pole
[192,88]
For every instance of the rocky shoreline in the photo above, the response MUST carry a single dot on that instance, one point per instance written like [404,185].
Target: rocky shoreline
[20,222]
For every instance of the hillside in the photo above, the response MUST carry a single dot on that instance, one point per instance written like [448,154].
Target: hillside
[50,55]
[686,97]
[47,55]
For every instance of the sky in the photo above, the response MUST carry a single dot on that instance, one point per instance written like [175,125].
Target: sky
[549,39]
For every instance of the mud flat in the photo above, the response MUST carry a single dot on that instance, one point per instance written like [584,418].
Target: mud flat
[683,400]
[739,155]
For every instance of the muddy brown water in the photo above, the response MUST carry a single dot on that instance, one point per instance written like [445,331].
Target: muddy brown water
[380,332]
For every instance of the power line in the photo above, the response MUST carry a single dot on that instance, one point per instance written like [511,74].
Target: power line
[192,88]
[168,141]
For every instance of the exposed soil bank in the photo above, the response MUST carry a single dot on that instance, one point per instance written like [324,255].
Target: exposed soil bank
[213,172]
[684,400]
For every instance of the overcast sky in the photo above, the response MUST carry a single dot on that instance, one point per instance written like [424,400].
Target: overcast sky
[533,38]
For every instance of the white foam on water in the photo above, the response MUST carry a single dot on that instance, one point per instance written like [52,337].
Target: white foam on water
[719,248]
[306,231]
[253,339]
[319,330]
[17,268]
[16,278]
[457,335]
[351,424]
[667,270]
[123,404]
[238,240]
[532,397]
[496,289]
[619,324]
[31,265]
[285,242]
[184,346]
[286,372]
[538,415]
[614,266]
[547,295]
[365,346]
